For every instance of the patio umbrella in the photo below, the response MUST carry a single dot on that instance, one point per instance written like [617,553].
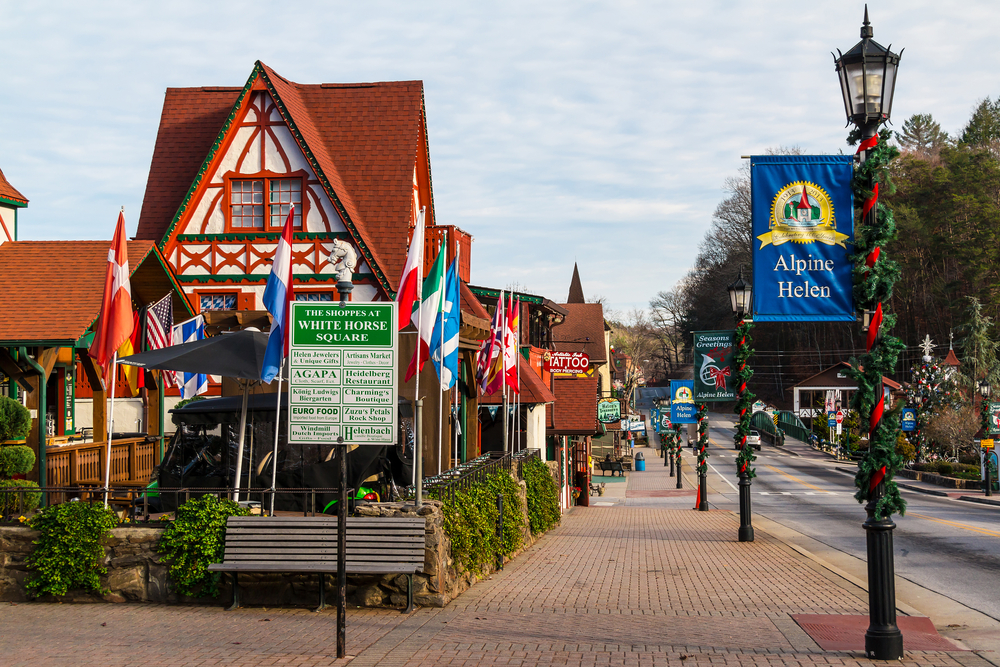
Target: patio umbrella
[239,355]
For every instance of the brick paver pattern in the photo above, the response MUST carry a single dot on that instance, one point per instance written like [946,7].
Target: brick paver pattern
[622,585]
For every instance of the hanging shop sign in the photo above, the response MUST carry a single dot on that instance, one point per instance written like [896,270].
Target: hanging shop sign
[909,419]
[759,406]
[343,380]
[570,363]
[994,423]
[714,378]
[609,410]
[665,421]
[803,223]
[682,408]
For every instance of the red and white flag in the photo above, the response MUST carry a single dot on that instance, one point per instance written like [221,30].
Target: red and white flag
[408,296]
[114,325]
[510,356]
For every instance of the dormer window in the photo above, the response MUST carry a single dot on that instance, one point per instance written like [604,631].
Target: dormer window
[262,203]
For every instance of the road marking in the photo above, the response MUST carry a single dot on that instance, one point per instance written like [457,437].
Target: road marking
[794,478]
[982,531]
[723,478]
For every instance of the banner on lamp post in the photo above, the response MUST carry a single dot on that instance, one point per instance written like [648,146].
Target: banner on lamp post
[713,358]
[682,407]
[803,225]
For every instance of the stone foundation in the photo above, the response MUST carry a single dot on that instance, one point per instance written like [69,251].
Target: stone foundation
[136,572]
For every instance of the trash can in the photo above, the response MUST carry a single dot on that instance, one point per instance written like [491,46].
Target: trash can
[640,462]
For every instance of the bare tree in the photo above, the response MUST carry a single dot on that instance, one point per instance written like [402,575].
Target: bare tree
[954,427]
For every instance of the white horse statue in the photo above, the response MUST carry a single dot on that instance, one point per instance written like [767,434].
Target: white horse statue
[344,259]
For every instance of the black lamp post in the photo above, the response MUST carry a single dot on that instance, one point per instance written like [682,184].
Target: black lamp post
[867,75]
[985,390]
[740,297]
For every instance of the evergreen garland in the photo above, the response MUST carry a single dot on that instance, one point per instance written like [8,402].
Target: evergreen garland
[678,446]
[874,278]
[703,439]
[744,403]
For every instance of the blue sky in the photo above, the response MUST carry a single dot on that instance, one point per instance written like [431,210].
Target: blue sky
[599,133]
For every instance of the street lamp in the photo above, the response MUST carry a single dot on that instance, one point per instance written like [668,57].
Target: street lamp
[741,298]
[985,390]
[867,74]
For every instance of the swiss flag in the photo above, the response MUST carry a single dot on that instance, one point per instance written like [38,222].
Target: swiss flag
[115,324]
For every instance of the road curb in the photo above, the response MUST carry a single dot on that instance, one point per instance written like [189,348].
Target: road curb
[930,492]
[981,501]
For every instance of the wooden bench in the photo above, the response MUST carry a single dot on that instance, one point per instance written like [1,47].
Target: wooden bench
[375,545]
[612,466]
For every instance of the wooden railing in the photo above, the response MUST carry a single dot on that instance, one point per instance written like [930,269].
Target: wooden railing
[132,462]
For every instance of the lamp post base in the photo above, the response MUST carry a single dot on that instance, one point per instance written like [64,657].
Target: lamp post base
[883,640]
[679,479]
[746,526]
[703,492]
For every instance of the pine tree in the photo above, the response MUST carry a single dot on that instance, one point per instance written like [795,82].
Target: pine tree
[983,130]
[921,134]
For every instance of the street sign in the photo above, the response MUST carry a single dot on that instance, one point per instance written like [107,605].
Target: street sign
[909,420]
[840,416]
[831,420]
[994,428]
[987,445]
[569,363]
[343,380]
[665,421]
[682,407]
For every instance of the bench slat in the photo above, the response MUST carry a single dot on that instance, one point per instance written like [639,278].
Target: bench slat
[280,566]
[313,531]
[399,553]
[313,522]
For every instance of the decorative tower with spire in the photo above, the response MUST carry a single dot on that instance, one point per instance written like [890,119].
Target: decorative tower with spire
[575,288]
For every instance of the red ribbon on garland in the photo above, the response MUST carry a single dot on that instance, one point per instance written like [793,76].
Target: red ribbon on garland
[743,468]
[870,142]
[876,479]
[871,259]
[876,416]
[874,326]
[870,202]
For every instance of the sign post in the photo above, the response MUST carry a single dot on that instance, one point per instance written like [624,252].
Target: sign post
[343,388]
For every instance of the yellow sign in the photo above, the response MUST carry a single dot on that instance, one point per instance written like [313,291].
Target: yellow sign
[802,212]
[986,444]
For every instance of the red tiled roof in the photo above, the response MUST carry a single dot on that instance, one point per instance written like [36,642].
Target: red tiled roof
[583,321]
[533,390]
[365,139]
[471,305]
[53,289]
[575,409]
[8,191]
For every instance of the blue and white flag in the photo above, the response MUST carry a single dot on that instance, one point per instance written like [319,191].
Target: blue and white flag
[446,345]
[191,384]
[277,295]
[803,228]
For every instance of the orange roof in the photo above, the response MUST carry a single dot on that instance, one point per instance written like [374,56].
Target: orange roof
[364,138]
[10,193]
[53,289]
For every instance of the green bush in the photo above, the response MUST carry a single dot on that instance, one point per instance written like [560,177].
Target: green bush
[16,460]
[543,496]
[471,518]
[15,420]
[69,551]
[944,469]
[195,540]
[13,501]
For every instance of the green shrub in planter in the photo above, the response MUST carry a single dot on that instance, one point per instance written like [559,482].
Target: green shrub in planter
[12,501]
[15,420]
[944,469]
[16,460]
[69,551]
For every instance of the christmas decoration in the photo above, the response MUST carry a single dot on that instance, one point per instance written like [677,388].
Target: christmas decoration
[744,403]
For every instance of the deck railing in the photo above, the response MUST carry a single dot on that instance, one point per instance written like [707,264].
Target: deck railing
[465,476]
[132,462]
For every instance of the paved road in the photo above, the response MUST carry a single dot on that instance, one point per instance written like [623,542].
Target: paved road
[949,546]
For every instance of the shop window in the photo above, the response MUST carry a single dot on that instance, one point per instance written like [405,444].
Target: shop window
[262,204]
[314,296]
[218,301]
[247,199]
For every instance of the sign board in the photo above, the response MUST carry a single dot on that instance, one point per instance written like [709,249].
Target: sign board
[570,363]
[994,428]
[840,416]
[987,445]
[609,410]
[830,406]
[909,420]
[831,420]
[665,421]
[759,406]
[713,358]
[803,225]
[682,407]
[343,380]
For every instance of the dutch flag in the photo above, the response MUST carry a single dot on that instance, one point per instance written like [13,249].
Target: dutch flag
[278,294]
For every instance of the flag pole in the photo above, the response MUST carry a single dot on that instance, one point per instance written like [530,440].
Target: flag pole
[417,403]
[277,428]
[503,372]
[517,360]
[111,425]
[458,367]
[441,402]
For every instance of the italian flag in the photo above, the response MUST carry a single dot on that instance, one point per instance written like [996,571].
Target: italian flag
[428,314]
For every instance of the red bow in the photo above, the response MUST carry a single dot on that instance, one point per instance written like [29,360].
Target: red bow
[870,142]
[874,326]
[871,201]
[719,375]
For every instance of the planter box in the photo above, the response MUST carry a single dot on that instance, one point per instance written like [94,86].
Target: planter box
[940,480]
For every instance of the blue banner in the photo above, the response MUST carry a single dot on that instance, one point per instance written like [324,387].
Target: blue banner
[803,228]
[682,408]
[909,419]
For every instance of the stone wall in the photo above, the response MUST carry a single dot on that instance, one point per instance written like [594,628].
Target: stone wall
[137,574]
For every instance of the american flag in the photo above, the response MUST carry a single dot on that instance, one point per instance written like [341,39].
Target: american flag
[159,323]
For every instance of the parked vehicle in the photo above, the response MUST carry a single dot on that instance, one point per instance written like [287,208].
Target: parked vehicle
[753,439]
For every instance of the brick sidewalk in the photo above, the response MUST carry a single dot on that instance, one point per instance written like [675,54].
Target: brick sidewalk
[623,585]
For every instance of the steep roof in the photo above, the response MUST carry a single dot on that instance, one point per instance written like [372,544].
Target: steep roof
[10,193]
[59,303]
[582,331]
[575,288]
[362,140]
[575,409]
